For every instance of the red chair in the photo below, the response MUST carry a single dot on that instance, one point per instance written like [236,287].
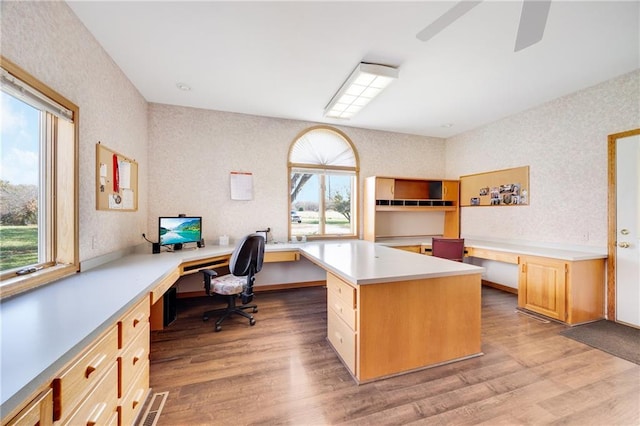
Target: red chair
[448,248]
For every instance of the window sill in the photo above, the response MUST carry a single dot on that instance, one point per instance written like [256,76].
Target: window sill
[15,285]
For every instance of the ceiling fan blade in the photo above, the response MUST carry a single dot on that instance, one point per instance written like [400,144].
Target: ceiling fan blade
[447,19]
[533,20]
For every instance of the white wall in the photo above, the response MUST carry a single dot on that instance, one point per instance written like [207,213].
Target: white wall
[564,142]
[48,41]
[192,151]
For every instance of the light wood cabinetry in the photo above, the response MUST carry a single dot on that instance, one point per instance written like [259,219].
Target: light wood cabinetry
[79,379]
[428,321]
[107,383]
[571,292]
[134,361]
[385,188]
[100,404]
[413,249]
[499,256]
[342,315]
[37,412]
[541,286]
[384,195]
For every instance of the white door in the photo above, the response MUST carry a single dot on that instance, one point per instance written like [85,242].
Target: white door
[627,230]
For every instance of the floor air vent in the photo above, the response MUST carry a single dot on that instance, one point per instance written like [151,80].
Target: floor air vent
[151,416]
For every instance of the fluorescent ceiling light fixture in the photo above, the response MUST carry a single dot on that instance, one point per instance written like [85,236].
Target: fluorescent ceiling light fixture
[365,83]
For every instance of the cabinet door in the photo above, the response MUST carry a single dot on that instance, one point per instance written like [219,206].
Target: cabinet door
[450,190]
[385,188]
[542,286]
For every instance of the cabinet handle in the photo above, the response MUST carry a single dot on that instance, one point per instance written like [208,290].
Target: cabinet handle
[96,413]
[137,320]
[93,366]
[337,307]
[137,398]
[138,356]
[338,336]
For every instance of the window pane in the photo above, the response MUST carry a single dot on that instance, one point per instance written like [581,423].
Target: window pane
[19,183]
[338,204]
[305,204]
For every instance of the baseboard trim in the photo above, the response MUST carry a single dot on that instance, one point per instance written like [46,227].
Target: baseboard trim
[500,287]
[261,288]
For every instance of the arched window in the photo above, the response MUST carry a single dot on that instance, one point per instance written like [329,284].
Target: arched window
[323,182]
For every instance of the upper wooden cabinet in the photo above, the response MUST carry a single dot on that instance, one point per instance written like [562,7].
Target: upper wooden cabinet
[415,195]
[385,188]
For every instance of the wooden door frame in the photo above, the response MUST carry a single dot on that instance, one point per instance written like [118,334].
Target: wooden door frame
[612,221]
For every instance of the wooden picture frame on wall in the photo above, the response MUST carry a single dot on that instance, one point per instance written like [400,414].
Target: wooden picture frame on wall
[507,187]
[116,181]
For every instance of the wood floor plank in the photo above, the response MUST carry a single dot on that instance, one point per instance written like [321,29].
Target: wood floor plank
[282,371]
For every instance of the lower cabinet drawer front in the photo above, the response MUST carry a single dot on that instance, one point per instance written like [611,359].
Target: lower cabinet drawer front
[342,289]
[134,321]
[135,396]
[133,359]
[101,403]
[342,308]
[38,412]
[494,255]
[343,340]
[75,382]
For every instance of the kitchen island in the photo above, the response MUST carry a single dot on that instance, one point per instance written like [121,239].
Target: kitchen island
[391,312]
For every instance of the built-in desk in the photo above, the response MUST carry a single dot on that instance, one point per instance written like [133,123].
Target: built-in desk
[567,285]
[45,331]
[390,312]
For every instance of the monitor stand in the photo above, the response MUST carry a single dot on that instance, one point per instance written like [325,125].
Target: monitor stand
[177,246]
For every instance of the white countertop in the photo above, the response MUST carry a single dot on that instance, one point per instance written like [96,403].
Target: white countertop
[362,262]
[562,253]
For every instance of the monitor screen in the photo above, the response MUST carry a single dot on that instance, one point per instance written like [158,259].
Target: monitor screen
[180,230]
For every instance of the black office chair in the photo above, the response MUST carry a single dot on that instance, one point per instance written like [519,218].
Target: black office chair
[448,248]
[245,262]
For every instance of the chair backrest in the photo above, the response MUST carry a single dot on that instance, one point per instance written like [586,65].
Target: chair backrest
[248,256]
[246,260]
[448,248]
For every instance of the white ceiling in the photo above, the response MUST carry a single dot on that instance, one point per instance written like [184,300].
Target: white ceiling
[287,59]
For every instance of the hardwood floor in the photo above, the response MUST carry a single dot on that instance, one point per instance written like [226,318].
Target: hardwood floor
[282,371]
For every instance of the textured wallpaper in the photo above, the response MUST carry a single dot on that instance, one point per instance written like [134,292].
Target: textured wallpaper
[49,42]
[192,151]
[564,142]
[185,155]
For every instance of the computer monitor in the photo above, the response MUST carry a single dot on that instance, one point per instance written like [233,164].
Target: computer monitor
[177,231]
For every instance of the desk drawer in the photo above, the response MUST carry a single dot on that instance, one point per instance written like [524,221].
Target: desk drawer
[343,340]
[133,358]
[38,412]
[135,397]
[343,290]
[281,256]
[134,321]
[494,255]
[343,309]
[164,285]
[74,383]
[101,403]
